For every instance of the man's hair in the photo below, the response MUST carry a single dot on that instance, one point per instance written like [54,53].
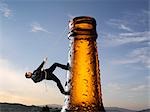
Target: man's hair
[26,74]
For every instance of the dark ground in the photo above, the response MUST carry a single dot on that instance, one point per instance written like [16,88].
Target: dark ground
[14,107]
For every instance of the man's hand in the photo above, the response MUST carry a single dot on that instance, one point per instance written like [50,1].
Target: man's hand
[45,59]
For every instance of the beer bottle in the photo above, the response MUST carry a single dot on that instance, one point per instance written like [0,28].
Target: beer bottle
[83,79]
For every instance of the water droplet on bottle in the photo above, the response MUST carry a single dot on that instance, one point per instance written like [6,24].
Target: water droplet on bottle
[83,104]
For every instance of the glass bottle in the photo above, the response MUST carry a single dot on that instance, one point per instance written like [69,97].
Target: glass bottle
[83,79]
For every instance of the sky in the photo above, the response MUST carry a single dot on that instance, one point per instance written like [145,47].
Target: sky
[33,29]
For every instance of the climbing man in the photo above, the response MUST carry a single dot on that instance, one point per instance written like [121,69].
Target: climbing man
[40,74]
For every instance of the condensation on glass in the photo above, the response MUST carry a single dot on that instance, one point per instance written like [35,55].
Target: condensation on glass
[83,79]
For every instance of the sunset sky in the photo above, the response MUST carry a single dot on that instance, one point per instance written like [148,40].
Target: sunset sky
[33,29]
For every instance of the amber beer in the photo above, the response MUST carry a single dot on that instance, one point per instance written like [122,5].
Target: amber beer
[83,79]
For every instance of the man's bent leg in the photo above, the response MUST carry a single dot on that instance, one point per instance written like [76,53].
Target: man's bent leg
[62,66]
[53,67]
[59,85]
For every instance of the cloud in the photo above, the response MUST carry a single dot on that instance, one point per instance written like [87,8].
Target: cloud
[139,88]
[148,77]
[5,10]
[130,35]
[137,19]
[115,22]
[139,55]
[36,27]
[126,38]
[130,21]
[114,87]
[123,27]
[120,24]
[133,95]
[16,88]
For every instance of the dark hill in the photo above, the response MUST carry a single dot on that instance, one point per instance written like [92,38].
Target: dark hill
[15,107]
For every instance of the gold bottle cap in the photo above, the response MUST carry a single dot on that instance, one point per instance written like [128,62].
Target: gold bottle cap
[82,25]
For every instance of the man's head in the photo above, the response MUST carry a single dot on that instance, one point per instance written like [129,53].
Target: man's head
[28,74]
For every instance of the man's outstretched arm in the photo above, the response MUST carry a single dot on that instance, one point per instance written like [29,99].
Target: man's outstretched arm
[42,64]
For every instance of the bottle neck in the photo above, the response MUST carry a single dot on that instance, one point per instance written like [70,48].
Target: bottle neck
[83,37]
[82,28]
